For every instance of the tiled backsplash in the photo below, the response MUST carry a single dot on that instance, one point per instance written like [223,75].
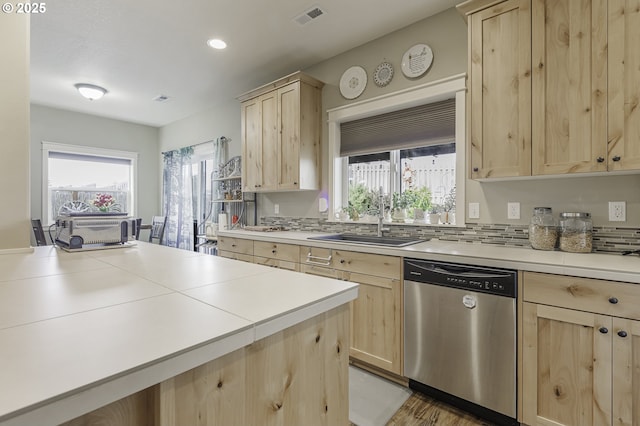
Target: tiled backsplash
[605,239]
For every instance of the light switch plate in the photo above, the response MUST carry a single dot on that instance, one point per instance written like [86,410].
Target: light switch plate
[474,210]
[276,209]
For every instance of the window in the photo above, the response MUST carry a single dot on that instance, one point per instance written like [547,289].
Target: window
[410,145]
[77,173]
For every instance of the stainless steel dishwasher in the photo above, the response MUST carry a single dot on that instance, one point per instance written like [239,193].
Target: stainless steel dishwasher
[460,336]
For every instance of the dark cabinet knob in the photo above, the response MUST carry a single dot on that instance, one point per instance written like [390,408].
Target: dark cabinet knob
[616,158]
[273,251]
[613,300]
[622,333]
[604,330]
[341,260]
[600,159]
[475,169]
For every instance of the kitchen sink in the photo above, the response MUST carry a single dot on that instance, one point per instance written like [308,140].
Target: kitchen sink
[369,239]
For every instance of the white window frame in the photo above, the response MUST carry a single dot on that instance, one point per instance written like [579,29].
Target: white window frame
[418,95]
[87,150]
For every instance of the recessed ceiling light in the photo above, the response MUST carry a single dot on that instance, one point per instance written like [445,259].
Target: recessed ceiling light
[216,43]
[90,91]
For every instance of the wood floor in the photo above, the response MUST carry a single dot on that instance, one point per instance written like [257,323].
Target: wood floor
[420,410]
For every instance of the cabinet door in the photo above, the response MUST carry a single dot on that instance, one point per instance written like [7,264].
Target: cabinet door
[270,140]
[251,145]
[376,328]
[567,367]
[624,85]
[289,148]
[500,96]
[626,372]
[569,47]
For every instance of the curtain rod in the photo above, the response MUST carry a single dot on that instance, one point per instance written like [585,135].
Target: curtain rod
[222,139]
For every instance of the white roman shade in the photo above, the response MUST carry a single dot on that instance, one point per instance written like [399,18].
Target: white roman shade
[418,126]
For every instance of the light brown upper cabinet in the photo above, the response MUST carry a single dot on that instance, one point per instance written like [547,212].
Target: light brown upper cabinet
[281,124]
[569,48]
[623,143]
[500,92]
[580,89]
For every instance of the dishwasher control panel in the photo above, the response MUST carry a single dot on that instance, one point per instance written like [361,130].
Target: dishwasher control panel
[485,280]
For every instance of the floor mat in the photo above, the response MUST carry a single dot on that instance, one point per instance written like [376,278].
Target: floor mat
[372,399]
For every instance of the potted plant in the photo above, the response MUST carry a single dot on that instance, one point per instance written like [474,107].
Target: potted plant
[421,202]
[401,202]
[449,207]
[434,214]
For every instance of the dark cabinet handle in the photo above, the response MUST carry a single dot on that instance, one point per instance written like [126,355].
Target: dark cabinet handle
[622,333]
[613,300]
[604,330]
[616,158]
[341,260]
[295,183]
[600,159]
[273,251]
[475,169]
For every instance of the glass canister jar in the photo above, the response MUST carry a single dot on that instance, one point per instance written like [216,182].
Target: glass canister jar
[576,232]
[543,229]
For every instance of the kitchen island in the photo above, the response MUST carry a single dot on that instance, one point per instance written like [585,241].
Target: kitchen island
[153,335]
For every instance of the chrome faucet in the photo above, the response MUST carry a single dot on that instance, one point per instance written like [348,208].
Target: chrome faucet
[381,214]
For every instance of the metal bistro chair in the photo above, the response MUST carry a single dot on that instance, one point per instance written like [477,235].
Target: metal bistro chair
[157,228]
[41,240]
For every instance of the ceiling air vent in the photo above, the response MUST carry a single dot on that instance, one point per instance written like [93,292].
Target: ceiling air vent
[309,15]
[161,98]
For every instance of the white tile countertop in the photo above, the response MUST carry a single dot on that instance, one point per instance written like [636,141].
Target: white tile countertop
[81,330]
[591,265]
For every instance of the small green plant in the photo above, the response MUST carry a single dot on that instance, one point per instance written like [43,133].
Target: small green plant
[402,200]
[361,199]
[449,204]
[421,198]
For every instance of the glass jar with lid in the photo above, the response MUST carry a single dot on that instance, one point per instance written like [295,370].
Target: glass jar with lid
[543,229]
[576,232]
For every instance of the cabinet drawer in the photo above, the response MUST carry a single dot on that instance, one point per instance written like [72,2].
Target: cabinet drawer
[235,256]
[276,263]
[585,294]
[236,245]
[322,271]
[365,263]
[315,256]
[287,252]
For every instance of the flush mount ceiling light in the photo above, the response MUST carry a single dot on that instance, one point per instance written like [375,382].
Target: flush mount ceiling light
[216,43]
[90,91]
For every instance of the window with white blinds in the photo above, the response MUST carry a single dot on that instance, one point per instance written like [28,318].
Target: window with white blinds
[419,126]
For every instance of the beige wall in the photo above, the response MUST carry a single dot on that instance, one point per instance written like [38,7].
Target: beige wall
[446,33]
[73,128]
[14,131]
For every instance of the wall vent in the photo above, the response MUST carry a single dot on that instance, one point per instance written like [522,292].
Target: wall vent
[309,15]
[161,98]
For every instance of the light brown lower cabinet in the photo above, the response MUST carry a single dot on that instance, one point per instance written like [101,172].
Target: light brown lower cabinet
[580,367]
[235,248]
[298,376]
[376,315]
[276,255]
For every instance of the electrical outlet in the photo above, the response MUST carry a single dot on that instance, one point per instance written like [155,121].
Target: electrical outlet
[474,210]
[513,210]
[276,208]
[617,211]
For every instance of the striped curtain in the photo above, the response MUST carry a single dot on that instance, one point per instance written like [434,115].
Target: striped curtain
[178,198]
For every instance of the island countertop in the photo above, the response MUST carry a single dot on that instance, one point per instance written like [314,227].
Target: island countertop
[81,330]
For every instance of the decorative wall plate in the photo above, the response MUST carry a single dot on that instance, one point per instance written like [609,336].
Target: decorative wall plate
[353,82]
[417,60]
[383,74]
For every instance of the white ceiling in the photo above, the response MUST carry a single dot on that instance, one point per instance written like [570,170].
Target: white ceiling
[139,49]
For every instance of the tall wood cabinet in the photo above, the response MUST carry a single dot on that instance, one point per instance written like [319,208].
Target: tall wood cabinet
[569,48]
[570,67]
[500,92]
[281,125]
[581,351]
